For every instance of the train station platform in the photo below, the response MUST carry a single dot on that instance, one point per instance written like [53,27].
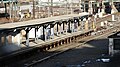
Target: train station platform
[12,49]
[7,29]
[4,51]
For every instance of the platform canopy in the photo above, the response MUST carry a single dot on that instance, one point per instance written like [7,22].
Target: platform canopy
[40,21]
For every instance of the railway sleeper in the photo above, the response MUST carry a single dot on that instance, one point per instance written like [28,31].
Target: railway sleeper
[69,40]
[72,39]
[59,43]
[43,49]
[65,41]
[56,44]
[46,48]
[51,45]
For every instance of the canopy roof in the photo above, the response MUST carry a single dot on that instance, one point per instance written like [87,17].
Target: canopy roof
[6,1]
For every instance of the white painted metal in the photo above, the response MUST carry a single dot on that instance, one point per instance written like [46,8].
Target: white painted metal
[111,51]
[57,28]
[72,27]
[45,30]
[40,32]
[32,33]
[52,32]
[18,39]
[113,18]
[102,24]
[12,39]
[27,40]
[61,29]
[6,40]
[36,37]
[75,26]
[66,28]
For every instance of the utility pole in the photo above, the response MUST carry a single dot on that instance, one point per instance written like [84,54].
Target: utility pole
[17,8]
[66,3]
[33,9]
[13,15]
[71,4]
[10,11]
[2,3]
[111,2]
[90,7]
[39,6]
[51,7]
[48,8]
[102,6]
[12,20]
[80,4]
[84,6]
[5,7]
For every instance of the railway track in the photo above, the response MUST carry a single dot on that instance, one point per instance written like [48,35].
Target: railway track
[79,42]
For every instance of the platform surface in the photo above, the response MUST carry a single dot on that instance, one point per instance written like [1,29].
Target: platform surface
[8,49]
